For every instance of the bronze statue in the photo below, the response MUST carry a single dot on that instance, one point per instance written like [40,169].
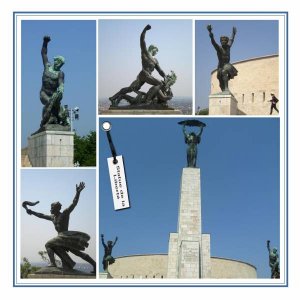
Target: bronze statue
[66,241]
[192,140]
[158,94]
[107,258]
[52,90]
[273,261]
[149,64]
[226,70]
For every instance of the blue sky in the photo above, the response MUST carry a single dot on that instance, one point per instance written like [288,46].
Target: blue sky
[48,186]
[76,41]
[120,54]
[239,161]
[254,38]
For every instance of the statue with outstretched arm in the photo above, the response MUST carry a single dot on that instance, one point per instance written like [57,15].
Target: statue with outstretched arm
[226,70]
[107,258]
[66,241]
[149,64]
[273,261]
[192,140]
[52,88]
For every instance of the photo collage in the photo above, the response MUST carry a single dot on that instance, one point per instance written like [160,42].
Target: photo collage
[155,144]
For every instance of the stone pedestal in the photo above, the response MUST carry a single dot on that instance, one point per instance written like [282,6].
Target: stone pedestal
[51,149]
[223,104]
[189,249]
[104,275]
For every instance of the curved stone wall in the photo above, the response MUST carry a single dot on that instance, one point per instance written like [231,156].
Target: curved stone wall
[229,268]
[257,79]
[156,265]
[140,266]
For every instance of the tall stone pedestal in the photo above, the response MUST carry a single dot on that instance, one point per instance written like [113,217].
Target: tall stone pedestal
[223,104]
[51,149]
[189,249]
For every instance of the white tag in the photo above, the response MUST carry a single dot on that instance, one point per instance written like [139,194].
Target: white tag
[118,183]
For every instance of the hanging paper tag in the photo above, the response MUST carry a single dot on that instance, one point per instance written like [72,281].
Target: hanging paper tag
[118,183]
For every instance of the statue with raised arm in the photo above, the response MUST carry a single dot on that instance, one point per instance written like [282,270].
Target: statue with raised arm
[273,261]
[66,241]
[149,64]
[192,139]
[52,90]
[226,70]
[107,258]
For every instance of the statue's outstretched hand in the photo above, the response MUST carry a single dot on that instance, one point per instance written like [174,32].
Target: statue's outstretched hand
[80,187]
[47,38]
[148,27]
[234,30]
[209,28]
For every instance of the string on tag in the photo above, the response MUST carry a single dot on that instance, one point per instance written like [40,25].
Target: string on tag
[106,127]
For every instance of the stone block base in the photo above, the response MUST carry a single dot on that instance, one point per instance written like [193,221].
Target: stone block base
[189,255]
[173,256]
[222,104]
[104,275]
[205,256]
[51,149]
[189,258]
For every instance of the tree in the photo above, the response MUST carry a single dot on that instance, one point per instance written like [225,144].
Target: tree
[85,150]
[27,268]
[204,111]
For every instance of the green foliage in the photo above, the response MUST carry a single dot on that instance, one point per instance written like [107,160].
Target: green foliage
[27,268]
[85,150]
[203,112]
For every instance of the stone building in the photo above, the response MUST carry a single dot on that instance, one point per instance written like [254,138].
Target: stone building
[257,79]
[155,266]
